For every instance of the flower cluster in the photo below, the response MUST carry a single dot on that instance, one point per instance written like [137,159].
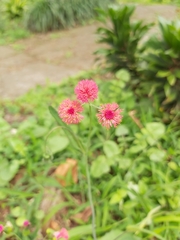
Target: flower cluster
[62,234]
[87,91]
[1,228]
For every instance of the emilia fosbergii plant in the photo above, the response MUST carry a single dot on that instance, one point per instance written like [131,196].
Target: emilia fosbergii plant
[70,112]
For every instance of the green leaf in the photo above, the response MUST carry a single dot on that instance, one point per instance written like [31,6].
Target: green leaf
[57,143]
[80,231]
[17,212]
[8,171]
[138,148]
[124,163]
[20,221]
[40,131]
[123,75]
[121,130]
[163,74]
[18,145]
[171,79]
[39,214]
[99,166]
[111,235]
[3,196]
[173,166]
[118,196]
[156,129]
[177,73]
[4,126]
[156,154]
[110,148]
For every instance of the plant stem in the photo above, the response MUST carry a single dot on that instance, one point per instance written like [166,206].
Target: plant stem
[90,197]
[88,176]
[90,128]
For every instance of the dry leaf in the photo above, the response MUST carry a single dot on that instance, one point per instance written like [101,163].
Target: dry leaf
[67,171]
[54,225]
[83,216]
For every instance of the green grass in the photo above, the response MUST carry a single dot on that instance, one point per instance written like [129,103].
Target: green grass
[11,31]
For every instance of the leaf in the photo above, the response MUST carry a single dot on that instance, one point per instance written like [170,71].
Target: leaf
[163,74]
[18,145]
[20,221]
[39,214]
[66,173]
[124,163]
[8,171]
[116,234]
[171,79]
[82,217]
[156,154]
[40,131]
[156,129]
[118,196]
[113,234]
[123,75]
[99,166]
[173,166]
[80,231]
[57,143]
[17,212]
[110,148]
[121,130]
[138,148]
[4,126]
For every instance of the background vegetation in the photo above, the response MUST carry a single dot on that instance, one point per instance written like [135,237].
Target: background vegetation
[135,172]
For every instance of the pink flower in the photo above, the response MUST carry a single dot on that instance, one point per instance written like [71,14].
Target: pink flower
[1,228]
[69,111]
[26,223]
[86,91]
[62,234]
[109,115]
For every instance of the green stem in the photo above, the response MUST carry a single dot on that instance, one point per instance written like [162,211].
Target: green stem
[88,176]
[90,198]
[90,128]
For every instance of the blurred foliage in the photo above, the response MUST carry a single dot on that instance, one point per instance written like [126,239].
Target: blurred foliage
[45,15]
[153,64]
[151,1]
[14,8]
[162,63]
[122,37]
[135,168]
[135,173]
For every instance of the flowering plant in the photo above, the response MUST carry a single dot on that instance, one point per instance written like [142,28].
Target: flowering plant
[70,112]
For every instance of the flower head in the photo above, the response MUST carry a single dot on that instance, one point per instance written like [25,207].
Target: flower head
[69,111]
[109,115]
[62,234]
[26,223]
[86,91]
[1,228]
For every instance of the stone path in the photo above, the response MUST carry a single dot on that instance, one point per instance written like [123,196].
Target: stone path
[56,55]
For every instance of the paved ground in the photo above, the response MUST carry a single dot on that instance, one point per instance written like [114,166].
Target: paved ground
[56,55]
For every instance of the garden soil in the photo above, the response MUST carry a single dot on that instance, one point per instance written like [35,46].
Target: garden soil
[58,55]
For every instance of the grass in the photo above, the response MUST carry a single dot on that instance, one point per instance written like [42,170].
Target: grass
[11,31]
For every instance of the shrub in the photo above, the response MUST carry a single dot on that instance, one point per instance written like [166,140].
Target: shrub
[122,37]
[162,68]
[45,15]
[15,8]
